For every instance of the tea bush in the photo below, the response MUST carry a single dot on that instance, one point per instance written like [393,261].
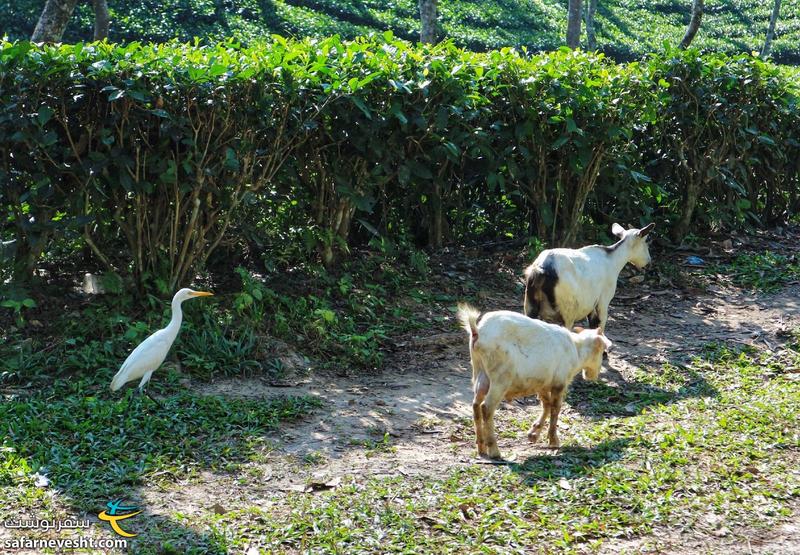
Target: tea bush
[155,155]
[626,29]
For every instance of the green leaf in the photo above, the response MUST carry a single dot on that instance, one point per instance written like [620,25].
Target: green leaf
[361,106]
[44,115]
[571,126]
[561,141]
[231,162]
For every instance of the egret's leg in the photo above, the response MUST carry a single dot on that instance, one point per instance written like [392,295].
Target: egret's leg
[156,401]
[143,383]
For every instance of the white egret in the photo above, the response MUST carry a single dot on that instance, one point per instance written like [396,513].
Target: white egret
[148,356]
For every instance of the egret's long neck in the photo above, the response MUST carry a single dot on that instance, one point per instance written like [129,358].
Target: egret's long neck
[177,317]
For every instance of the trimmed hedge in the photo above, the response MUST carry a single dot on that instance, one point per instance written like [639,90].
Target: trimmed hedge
[153,154]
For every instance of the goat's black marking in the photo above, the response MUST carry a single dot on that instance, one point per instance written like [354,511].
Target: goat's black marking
[550,280]
[540,280]
[594,319]
[611,248]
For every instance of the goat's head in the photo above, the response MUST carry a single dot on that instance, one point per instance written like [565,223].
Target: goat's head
[599,344]
[636,242]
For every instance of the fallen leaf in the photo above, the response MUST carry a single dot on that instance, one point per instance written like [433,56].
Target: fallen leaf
[564,483]
[324,485]
[300,488]
[428,520]
[218,509]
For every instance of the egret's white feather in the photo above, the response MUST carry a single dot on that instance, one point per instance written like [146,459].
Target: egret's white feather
[145,358]
[150,354]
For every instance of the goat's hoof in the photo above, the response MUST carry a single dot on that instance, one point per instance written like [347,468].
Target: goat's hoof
[533,437]
[554,444]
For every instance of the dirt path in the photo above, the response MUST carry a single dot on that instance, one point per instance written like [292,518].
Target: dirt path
[422,398]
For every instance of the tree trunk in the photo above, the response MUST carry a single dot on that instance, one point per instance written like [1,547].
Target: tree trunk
[427,18]
[574,24]
[694,24]
[53,21]
[692,194]
[591,40]
[776,8]
[101,19]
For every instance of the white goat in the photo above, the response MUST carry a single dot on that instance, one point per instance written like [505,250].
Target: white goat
[515,356]
[567,285]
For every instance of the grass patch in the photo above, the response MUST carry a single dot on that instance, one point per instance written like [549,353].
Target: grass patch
[766,271]
[95,447]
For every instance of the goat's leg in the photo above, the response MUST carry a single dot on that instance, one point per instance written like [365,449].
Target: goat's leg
[533,433]
[602,315]
[602,319]
[488,408]
[481,388]
[556,398]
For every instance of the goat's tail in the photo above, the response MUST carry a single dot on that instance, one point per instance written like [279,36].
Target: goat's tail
[534,281]
[468,316]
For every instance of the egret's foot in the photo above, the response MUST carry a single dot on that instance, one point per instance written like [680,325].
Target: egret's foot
[156,401]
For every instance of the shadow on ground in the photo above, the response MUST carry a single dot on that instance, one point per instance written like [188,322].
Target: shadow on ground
[569,462]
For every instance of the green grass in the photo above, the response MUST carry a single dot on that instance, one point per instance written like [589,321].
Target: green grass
[96,446]
[625,28]
[712,445]
[766,271]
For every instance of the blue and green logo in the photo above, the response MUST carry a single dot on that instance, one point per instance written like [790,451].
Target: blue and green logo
[115,512]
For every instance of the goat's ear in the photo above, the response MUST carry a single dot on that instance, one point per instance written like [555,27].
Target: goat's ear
[646,229]
[618,230]
[602,342]
[577,329]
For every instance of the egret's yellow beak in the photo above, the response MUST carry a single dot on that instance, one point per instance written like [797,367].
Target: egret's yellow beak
[202,294]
